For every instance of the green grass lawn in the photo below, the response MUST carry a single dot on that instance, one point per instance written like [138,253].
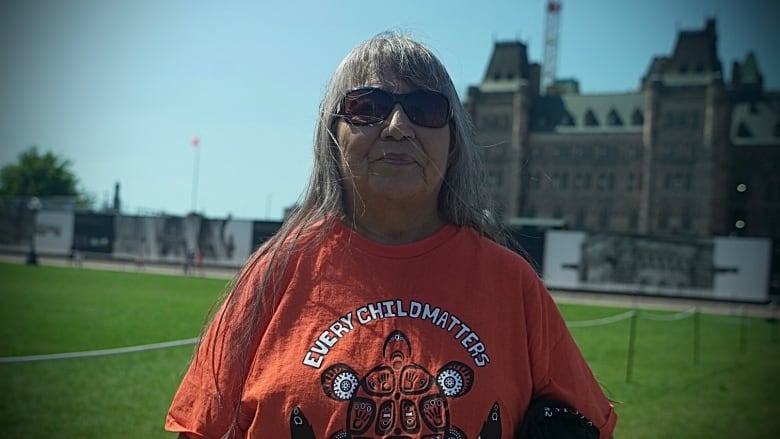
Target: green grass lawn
[733,389]
[50,310]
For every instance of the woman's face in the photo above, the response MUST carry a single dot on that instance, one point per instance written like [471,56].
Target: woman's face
[394,161]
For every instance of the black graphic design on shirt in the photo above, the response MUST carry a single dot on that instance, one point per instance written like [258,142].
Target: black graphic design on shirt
[300,428]
[491,429]
[397,399]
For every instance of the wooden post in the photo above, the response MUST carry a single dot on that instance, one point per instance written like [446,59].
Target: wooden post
[696,337]
[631,344]
[742,331]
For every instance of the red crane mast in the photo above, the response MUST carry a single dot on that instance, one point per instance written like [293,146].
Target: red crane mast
[553,16]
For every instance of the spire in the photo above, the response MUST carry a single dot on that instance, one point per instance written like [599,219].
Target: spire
[508,63]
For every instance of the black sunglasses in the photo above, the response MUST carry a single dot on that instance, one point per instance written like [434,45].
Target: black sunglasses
[371,105]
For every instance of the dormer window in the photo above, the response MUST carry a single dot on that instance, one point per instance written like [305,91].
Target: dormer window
[637,118]
[613,118]
[743,130]
[567,119]
[590,118]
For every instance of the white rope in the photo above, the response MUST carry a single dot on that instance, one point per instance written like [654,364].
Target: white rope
[169,344]
[668,317]
[98,353]
[604,321]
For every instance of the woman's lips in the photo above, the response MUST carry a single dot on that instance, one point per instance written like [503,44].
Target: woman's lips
[396,159]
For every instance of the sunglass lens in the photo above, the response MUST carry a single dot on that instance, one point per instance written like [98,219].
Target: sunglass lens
[367,106]
[427,108]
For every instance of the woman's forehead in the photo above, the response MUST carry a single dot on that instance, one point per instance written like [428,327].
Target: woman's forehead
[390,81]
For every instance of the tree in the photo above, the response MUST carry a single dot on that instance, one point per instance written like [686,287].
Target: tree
[41,175]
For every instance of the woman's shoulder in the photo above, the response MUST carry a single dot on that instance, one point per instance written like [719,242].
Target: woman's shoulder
[500,246]
[301,236]
[497,256]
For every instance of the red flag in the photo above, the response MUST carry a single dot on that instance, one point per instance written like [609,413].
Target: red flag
[195,141]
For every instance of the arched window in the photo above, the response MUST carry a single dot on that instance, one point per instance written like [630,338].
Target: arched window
[686,223]
[604,219]
[579,220]
[663,219]
[633,219]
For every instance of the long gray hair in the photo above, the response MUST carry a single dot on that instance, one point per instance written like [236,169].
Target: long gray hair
[387,56]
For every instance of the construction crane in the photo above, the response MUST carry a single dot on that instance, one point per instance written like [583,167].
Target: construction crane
[553,16]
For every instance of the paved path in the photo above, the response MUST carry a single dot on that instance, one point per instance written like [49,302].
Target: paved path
[769,311]
[128,266]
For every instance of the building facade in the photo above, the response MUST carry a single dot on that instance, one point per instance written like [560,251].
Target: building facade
[687,153]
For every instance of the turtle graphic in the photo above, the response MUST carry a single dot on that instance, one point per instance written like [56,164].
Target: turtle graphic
[398,398]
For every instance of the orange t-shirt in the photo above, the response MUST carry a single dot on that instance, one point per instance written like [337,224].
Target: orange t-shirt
[448,337]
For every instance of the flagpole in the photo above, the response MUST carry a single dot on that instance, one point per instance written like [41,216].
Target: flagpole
[195,144]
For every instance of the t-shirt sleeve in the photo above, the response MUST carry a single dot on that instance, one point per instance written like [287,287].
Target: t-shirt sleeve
[204,405]
[558,367]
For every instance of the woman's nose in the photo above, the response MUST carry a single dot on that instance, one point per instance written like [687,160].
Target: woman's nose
[398,124]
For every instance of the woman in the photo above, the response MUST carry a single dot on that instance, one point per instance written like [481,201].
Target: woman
[385,306]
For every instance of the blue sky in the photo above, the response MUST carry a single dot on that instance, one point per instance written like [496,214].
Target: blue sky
[121,87]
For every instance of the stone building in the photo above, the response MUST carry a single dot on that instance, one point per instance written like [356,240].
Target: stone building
[753,196]
[687,153]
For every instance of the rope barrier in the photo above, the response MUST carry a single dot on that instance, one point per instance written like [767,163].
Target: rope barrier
[169,344]
[668,317]
[604,321]
[98,353]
